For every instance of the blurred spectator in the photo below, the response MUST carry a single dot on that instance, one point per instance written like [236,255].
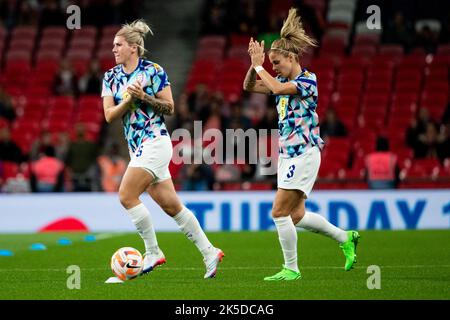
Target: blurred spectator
[197,177]
[431,143]
[444,36]
[16,178]
[332,126]
[28,13]
[182,115]
[446,115]
[312,19]
[81,160]
[237,118]
[228,173]
[90,13]
[8,13]
[65,82]
[47,173]
[275,23]
[112,168]
[62,146]
[444,141]
[117,11]
[248,21]
[52,14]
[91,82]
[6,106]
[427,39]
[270,119]
[199,99]
[399,31]
[382,170]
[38,146]
[9,150]
[212,117]
[215,18]
[417,127]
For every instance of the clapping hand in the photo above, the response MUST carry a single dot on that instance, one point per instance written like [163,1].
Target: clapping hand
[256,52]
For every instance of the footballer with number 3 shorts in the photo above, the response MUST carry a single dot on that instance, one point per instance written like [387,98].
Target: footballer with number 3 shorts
[295,89]
[138,91]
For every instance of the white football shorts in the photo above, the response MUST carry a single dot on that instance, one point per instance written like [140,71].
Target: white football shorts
[154,156]
[299,173]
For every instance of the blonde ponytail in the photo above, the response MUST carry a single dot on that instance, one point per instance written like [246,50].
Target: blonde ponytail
[134,33]
[293,37]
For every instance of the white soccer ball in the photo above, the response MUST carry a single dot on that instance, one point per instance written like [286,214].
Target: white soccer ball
[126,263]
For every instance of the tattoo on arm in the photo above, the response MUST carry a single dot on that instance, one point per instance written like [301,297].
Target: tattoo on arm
[250,79]
[159,106]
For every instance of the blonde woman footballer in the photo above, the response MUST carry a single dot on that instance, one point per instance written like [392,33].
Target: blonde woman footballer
[295,89]
[138,91]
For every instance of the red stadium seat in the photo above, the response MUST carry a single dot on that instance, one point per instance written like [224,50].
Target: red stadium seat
[422,168]
[52,44]
[49,55]
[332,46]
[24,32]
[442,61]
[323,64]
[62,102]
[239,52]
[78,54]
[57,126]
[407,86]
[378,86]
[382,64]
[215,54]
[443,49]
[82,44]
[80,66]
[85,32]
[90,103]
[54,32]
[256,186]
[38,78]
[231,186]
[10,170]
[366,39]
[413,61]
[26,44]
[337,150]
[213,41]
[329,169]
[354,63]
[38,91]
[239,40]
[105,44]
[367,51]
[438,74]
[393,51]
[18,57]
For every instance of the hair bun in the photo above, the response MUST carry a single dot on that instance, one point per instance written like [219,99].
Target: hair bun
[141,27]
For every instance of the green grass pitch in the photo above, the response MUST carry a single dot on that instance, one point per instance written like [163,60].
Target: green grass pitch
[414,265]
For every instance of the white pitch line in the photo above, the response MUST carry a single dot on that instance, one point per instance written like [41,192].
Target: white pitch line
[103,236]
[234,268]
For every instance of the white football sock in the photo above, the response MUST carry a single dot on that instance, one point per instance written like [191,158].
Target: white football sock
[143,222]
[189,225]
[316,223]
[287,234]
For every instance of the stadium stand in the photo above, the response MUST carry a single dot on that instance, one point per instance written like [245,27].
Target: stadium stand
[374,80]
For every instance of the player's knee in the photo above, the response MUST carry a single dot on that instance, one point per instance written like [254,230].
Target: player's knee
[171,208]
[126,199]
[277,212]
